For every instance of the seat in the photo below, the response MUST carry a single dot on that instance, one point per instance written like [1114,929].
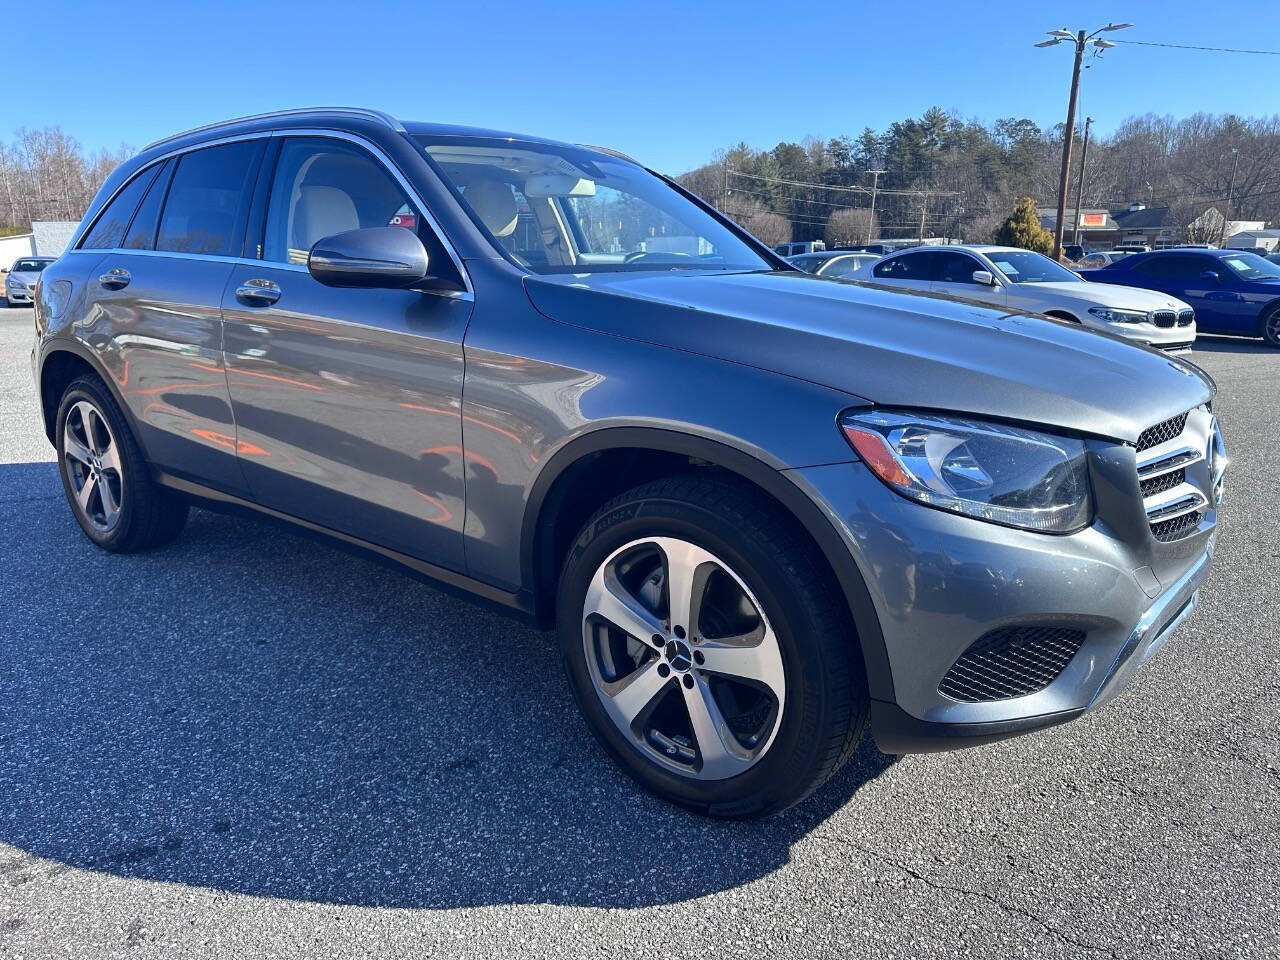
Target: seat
[321,212]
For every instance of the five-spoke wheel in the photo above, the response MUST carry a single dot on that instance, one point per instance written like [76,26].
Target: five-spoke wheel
[683,657]
[709,646]
[91,459]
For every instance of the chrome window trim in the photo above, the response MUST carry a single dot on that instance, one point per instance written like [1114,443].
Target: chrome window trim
[389,165]
[378,155]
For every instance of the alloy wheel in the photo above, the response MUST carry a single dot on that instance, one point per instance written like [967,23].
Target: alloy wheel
[91,459]
[1271,331]
[683,658]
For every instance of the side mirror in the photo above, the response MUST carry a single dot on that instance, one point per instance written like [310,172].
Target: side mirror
[374,257]
[984,277]
[1211,276]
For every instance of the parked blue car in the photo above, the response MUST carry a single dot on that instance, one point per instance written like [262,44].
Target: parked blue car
[1231,291]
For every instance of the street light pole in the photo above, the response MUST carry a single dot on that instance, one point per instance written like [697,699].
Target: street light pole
[1080,40]
[875,181]
[1084,157]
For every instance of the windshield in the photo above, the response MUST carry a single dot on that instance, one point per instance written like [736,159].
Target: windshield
[566,210]
[1250,266]
[30,266]
[1024,266]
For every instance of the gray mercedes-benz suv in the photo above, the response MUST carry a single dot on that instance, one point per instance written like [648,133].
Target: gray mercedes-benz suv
[761,509]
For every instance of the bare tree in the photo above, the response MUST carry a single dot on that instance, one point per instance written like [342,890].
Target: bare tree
[851,225]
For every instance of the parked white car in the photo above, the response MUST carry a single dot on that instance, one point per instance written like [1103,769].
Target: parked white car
[1029,281]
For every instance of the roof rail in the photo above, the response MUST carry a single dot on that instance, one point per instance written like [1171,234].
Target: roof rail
[611,152]
[361,112]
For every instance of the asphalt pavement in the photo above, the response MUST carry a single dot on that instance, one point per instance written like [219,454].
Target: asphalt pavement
[253,744]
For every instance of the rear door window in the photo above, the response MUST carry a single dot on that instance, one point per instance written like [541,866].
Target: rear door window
[208,200]
[108,232]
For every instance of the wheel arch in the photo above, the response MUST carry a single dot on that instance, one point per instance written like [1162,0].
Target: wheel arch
[62,361]
[568,490]
[1268,308]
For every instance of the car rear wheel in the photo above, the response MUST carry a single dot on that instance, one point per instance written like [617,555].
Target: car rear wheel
[710,649]
[105,477]
[1271,328]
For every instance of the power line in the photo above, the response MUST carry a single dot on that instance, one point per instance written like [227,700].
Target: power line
[1184,46]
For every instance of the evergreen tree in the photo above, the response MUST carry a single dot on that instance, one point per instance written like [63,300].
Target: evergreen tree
[1022,229]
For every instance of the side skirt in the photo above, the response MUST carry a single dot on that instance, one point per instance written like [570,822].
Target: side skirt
[518,604]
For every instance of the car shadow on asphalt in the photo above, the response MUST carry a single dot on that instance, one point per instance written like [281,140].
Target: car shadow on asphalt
[251,711]
[1211,343]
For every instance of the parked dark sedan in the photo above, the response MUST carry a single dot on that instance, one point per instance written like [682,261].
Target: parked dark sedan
[1231,291]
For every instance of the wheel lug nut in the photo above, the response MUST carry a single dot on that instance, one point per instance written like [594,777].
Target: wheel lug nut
[688,681]
[697,655]
[664,670]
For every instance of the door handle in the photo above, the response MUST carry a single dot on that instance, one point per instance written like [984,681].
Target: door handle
[259,292]
[117,278]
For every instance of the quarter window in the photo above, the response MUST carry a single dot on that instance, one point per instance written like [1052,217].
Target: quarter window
[204,212]
[322,187]
[142,232]
[108,232]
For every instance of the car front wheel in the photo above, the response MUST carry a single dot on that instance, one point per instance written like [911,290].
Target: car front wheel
[709,647]
[1271,328]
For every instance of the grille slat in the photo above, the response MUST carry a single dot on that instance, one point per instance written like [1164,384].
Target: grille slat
[1176,528]
[1164,318]
[1162,483]
[1011,662]
[1185,317]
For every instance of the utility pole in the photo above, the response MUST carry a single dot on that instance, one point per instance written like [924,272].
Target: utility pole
[1079,40]
[1067,137]
[725,208]
[924,207]
[875,181]
[1084,158]
[1231,192]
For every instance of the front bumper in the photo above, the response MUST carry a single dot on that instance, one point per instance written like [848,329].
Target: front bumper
[18,296]
[940,581]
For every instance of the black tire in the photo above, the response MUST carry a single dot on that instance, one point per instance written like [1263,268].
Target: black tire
[826,700]
[1270,328]
[149,515]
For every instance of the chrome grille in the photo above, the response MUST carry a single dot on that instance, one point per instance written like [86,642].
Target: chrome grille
[1162,432]
[1011,662]
[1185,317]
[1174,506]
[1164,318]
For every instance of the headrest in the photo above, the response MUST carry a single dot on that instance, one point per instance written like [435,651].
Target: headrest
[322,212]
[495,205]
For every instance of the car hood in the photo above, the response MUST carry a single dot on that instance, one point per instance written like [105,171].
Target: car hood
[888,346]
[28,277]
[1106,295]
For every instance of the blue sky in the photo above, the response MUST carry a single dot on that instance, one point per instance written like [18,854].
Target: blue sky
[666,82]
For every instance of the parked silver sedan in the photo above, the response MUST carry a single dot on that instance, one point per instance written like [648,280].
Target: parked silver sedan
[832,263]
[20,284]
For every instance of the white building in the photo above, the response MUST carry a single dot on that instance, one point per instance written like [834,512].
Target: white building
[51,237]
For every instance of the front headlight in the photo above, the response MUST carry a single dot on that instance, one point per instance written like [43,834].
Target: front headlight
[1004,474]
[1111,315]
